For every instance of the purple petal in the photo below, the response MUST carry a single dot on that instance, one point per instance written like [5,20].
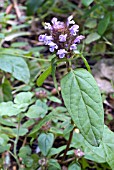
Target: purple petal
[70,21]
[51,49]
[74,29]
[48,39]
[54,20]
[61,53]
[78,38]
[62,38]
[73,47]
[48,26]
[42,37]
[53,46]
[59,25]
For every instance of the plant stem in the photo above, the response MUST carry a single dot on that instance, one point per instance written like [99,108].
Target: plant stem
[68,144]
[15,144]
[68,65]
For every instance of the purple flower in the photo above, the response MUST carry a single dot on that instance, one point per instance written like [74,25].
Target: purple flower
[57,24]
[53,46]
[48,26]
[48,39]
[54,20]
[61,53]
[62,38]
[74,29]
[42,37]
[78,38]
[73,47]
[45,38]
[70,21]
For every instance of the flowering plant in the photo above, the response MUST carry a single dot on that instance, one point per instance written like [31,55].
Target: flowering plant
[79,90]
[63,37]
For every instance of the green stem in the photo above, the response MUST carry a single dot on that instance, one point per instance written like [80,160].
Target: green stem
[68,65]
[86,63]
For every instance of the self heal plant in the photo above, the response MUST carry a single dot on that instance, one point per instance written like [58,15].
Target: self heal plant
[63,38]
[79,89]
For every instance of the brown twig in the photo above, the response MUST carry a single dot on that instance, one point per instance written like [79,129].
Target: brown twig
[67,161]
[68,144]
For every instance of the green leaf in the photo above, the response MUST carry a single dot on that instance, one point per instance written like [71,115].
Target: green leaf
[108,146]
[82,98]
[43,76]
[45,142]
[6,89]
[7,122]
[93,153]
[91,23]
[23,97]
[16,66]
[87,2]
[24,151]
[5,148]
[54,99]
[28,123]
[32,6]
[35,112]
[8,109]
[22,131]
[103,153]
[23,100]
[74,166]
[54,151]
[103,24]
[38,110]
[53,165]
[92,37]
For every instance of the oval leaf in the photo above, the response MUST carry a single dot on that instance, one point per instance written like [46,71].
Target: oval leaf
[92,37]
[82,98]
[45,142]
[16,66]
[103,24]
[8,109]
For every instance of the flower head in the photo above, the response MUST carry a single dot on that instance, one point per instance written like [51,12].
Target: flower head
[63,38]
